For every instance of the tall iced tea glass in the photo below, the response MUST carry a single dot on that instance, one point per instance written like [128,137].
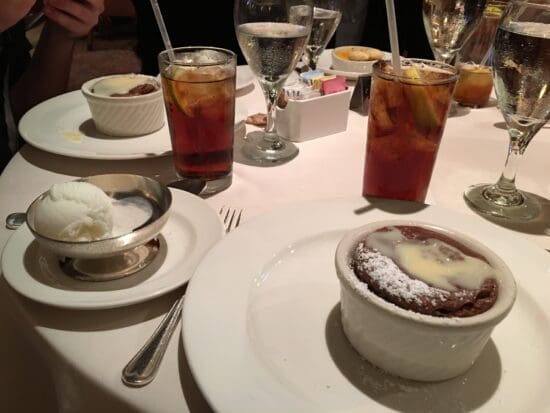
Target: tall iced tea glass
[475,82]
[407,115]
[199,94]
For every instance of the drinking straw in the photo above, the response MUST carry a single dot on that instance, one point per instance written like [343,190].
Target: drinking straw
[486,57]
[394,42]
[163,31]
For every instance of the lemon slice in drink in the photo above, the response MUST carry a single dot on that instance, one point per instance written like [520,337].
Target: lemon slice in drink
[493,11]
[473,68]
[469,69]
[469,74]
[421,104]
[180,92]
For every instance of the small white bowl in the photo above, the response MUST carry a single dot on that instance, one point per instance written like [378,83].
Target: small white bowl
[341,61]
[126,116]
[409,344]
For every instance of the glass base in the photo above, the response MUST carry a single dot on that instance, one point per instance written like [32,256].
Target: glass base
[486,199]
[113,267]
[264,151]
[471,105]
[453,109]
[203,187]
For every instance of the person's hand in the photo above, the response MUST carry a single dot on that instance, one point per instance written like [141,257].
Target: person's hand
[77,17]
[11,11]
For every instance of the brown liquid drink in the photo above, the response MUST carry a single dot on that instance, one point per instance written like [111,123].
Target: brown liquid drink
[407,115]
[474,85]
[199,93]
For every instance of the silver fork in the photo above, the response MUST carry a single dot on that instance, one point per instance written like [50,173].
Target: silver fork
[143,367]
[230,218]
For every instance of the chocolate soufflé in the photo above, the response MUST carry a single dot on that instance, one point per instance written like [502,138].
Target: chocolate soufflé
[138,90]
[420,300]
[425,271]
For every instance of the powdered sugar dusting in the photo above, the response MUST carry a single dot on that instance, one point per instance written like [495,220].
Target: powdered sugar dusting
[392,279]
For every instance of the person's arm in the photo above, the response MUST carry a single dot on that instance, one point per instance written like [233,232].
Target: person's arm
[11,11]
[48,71]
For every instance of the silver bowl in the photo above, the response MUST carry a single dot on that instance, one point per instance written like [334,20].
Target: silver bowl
[121,254]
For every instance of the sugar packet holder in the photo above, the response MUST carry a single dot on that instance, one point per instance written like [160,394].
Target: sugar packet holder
[310,113]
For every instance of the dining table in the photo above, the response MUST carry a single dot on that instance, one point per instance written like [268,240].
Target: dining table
[82,351]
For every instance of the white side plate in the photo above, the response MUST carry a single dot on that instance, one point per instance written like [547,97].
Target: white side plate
[191,230]
[63,125]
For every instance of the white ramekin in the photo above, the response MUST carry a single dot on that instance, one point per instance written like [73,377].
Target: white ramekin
[409,344]
[125,116]
[346,65]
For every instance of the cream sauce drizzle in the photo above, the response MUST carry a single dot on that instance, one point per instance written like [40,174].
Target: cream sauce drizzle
[430,260]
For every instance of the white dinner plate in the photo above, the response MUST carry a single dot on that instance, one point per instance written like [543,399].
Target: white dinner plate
[262,331]
[244,77]
[325,64]
[191,230]
[63,125]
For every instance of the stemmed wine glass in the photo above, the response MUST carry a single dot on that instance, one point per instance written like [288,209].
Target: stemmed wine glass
[449,23]
[521,70]
[272,35]
[326,18]
[477,48]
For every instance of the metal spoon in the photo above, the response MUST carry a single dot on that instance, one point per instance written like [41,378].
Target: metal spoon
[15,219]
[143,367]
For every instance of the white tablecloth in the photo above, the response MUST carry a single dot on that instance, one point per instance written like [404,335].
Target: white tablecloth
[86,350]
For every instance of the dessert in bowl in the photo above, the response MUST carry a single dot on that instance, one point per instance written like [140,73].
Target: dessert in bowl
[420,301]
[126,104]
[358,59]
[101,227]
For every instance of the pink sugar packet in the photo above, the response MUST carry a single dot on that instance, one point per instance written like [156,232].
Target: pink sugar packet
[335,85]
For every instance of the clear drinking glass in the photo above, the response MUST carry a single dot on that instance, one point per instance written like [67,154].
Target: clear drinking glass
[407,116]
[198,84]
[272,36]
[477,48]
[449,23]
[475,83]
[474,86]
[521,70]
[326,18]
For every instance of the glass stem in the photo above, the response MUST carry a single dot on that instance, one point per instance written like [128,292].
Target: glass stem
[313,62]
[504,192]
[507,181]
[271,95]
